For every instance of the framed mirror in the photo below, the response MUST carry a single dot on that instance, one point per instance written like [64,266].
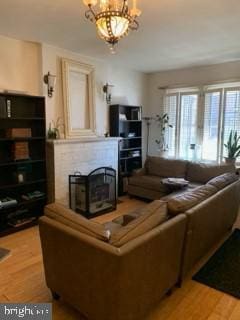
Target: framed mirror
[79,99]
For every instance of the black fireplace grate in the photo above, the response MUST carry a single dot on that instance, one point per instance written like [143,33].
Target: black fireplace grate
[94,194]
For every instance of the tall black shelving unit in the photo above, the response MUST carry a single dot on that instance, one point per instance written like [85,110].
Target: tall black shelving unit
[126,123]
[24,180]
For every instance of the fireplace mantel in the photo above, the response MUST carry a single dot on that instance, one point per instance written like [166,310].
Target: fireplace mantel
[83,140]
[67,156]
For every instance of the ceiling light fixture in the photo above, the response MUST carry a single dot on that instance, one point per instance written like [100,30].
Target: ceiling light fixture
[113,18]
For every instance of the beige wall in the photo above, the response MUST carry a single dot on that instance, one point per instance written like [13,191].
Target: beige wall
[185,78]
[20,65]
[23,64]
[129,86]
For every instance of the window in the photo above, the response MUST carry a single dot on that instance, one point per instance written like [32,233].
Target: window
[171,110]
[231,114]
[188,125]
[202,119]
[211,125]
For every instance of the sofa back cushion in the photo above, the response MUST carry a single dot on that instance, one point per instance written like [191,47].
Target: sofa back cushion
[185,201]
[223,180]
[166,167]
[201,172]
[151,216]
[75,221]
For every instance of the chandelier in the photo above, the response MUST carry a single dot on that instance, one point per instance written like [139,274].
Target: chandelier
[113,18]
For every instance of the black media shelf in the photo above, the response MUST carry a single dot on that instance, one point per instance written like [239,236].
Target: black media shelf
[132,138]
[22,139]
[6,229]
[19,185]
[126,123]
[17,163]
[23,119]
[129,149]
[22,203]
[23,173]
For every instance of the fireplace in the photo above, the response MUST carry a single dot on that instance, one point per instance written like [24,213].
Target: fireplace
[93,194]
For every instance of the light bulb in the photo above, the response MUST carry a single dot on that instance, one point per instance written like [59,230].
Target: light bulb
[135,12]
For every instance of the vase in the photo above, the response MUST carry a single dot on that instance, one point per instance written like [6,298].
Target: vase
[230,160]
[163,153]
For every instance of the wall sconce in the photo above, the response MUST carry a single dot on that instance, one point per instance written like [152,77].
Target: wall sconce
[50,81]
[107,89]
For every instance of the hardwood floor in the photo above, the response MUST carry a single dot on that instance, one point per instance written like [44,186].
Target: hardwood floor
[22,280]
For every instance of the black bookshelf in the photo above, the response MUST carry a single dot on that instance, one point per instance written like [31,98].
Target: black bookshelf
[20,178]
[126,122]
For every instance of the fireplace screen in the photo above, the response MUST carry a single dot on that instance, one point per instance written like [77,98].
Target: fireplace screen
[93,194]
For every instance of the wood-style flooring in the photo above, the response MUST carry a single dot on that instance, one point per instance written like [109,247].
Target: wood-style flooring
[22,280]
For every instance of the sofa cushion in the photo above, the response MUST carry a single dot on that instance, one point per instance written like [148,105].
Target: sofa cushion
[77,222]
[202,172]
[166,167]
[153,215]
[190,187]
[223,180]
[181,203]
[148,182]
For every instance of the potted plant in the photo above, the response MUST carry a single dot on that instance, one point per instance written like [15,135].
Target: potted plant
[163,123]
[233,147]
[54,129]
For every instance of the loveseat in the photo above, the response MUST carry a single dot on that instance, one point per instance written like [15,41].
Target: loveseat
[147,182]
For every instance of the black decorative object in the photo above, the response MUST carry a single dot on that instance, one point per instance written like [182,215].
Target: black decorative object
[22,160]
[94,194]
[221,272]
[126,122]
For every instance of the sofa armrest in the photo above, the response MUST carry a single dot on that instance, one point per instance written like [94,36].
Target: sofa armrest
[139,172]
[208,223]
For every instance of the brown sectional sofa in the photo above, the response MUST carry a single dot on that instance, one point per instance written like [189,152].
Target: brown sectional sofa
[146,182]
[106,282]
[121,269]
[211,211]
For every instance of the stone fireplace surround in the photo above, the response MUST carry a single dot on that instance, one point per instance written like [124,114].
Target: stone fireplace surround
[65,157]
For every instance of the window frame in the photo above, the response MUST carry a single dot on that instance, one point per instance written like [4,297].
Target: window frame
[205,92]
[201,91]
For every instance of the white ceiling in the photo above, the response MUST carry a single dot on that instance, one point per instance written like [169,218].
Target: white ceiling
[173,33]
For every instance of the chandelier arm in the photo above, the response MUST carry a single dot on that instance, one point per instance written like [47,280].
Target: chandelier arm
[134,25]
[124,7]
[90,14]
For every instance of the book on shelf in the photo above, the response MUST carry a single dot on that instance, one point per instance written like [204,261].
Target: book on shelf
[7,203]
[19,133]
[18,222]
[33,195]
[3,108]
[20,151]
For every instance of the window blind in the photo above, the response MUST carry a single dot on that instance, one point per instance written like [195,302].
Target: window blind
[188,125]
[202,122]
[170,107]
[212,102]
[231,115]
